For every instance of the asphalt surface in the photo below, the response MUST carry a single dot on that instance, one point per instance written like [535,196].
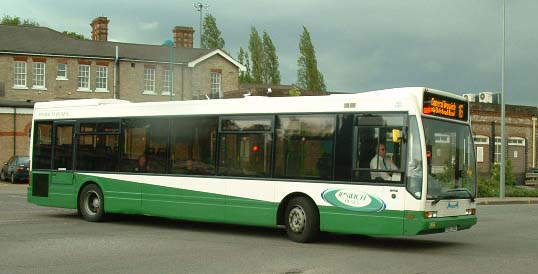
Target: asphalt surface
[47,240]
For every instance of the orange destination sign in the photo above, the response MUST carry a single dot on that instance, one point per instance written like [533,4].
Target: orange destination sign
[446,107]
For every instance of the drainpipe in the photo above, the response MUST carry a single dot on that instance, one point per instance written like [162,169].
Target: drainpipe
[116,67]
[14,131]
[533,142]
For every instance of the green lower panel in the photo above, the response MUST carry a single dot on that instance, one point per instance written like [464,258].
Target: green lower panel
[250,212]
[416,224]
[387,222]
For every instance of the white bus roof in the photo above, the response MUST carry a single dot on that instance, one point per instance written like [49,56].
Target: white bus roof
[397,99]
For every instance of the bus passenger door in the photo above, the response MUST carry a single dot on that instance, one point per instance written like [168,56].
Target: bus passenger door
[61,190]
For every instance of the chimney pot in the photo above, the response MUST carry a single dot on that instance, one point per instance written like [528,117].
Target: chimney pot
[183,36]
[100,29]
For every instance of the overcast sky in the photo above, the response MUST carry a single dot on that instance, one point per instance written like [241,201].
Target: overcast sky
[452,45]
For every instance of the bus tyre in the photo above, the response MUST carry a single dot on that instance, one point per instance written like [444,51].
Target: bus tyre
[302,220]
[91,203]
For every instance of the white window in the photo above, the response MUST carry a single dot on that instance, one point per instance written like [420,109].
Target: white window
[480,154]
[101,82]
[215,85]
[516,141]
[497,150]
[149,81]
[38,80]
[167,82]
[84,78]
[481,140]
[62,72]
[20,74]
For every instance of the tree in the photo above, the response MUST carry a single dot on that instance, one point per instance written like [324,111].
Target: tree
[211,37]
[244,77]
[255,46]
[75,35]
[271,71]
[16,21]
[308,76]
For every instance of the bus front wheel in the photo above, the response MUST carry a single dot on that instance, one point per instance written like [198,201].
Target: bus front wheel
[302,220]
[91,203]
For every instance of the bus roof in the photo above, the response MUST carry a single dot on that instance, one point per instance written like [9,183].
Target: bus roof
[398,99]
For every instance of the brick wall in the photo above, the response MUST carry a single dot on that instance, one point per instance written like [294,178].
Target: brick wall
[201,78]
[20,136]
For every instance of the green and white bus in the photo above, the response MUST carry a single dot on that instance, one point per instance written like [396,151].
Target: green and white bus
[303,163]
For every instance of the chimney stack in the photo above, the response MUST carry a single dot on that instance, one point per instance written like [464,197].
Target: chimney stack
[100,29]
[183,36]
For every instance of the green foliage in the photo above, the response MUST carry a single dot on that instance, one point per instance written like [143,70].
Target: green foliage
[510,178]
[308,75]
[244,76]
[255,46]
[75,35]
[16,21]
[294,92]
[211,37]
[271,71]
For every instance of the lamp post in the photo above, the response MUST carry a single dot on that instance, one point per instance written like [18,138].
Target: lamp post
[503,114]
[199,7]
[170,43]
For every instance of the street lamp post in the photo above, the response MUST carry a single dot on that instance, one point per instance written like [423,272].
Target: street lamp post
[199,7]
[503,114]
[170,43]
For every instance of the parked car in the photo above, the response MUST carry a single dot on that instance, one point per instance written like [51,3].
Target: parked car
[15,169]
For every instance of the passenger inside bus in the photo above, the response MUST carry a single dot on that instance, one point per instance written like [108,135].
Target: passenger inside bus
[380,161]
[143,165]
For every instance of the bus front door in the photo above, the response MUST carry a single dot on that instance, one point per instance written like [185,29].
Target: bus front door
[61,187]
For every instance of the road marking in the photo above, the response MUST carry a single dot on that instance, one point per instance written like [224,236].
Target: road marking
[13,196]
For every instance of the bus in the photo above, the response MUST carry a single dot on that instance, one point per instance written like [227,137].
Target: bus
[305,164]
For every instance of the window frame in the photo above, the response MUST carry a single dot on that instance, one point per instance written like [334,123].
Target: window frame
[20,77]
[167,83]
[100,79]
[149,81]
[39,75]
[84,77]
[216,84]
[58,70]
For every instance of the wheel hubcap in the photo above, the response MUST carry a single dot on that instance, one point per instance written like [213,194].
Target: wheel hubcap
[297,219]
[92,203]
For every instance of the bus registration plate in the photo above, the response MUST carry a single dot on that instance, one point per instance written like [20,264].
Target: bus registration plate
[451,229]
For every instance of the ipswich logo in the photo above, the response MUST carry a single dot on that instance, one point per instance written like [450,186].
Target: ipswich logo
[353,200]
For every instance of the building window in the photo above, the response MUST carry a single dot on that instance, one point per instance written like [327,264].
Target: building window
[102,78]
[516,141]
[83,78]
[38,80]
[215,85]
[481,140]
[167,82]
[62,72]
[20,74]
[149,81]
[497,150]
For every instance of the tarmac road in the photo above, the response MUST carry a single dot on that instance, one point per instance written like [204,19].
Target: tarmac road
[47,240]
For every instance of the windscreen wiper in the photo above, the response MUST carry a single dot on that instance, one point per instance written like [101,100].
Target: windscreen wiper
[449,194]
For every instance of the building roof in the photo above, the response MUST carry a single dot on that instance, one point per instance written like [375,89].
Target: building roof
[45,41]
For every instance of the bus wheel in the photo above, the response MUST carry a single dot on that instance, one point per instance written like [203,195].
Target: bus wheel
[302,220]
[91,203]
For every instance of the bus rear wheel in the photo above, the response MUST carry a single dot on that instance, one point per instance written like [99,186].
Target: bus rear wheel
[302,220]
[91,203]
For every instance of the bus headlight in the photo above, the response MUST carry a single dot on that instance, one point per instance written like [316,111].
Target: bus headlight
[471,211]
[430,214]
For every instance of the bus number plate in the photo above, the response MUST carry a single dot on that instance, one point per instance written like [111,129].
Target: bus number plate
[451,229]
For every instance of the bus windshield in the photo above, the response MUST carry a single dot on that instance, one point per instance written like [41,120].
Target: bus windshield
[451,160]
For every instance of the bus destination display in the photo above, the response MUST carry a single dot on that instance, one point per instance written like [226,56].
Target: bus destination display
[445,107]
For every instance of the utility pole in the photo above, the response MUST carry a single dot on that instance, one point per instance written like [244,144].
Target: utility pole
[503,114]
[199,7]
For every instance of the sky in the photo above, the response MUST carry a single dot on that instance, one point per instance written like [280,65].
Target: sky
[361,45]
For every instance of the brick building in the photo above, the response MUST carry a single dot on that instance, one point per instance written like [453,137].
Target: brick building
[41,64]
[520,145]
